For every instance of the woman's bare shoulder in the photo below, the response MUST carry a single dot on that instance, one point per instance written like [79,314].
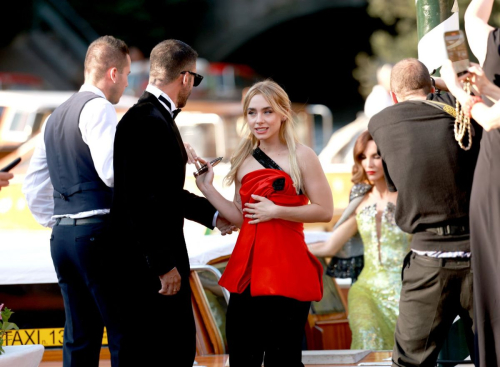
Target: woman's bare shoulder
[247,166]
[307,158]
[305,152]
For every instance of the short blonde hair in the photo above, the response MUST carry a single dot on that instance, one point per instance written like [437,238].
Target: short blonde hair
[409,76]
[104,53]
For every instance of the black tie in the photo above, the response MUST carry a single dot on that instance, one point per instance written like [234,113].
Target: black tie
[175,112]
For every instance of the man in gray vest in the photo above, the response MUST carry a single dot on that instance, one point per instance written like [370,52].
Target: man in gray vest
[69,187]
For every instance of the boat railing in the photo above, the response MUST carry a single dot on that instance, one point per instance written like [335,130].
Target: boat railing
[214,271]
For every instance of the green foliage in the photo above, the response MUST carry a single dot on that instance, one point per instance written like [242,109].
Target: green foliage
[399,40]
[5,325]
[391,11]
[389,45]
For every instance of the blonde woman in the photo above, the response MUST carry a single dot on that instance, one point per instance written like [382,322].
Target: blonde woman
[279,185]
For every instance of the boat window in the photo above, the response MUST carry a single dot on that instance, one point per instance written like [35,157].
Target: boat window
[344,155]
[40,118]
[201,137]
[19,122]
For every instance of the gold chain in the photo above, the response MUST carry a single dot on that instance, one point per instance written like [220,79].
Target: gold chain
[462,122]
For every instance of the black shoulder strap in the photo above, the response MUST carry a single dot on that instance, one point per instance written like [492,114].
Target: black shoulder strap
[265,160]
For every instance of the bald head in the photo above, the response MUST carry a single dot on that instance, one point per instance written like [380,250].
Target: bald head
[410,77]
[104,53]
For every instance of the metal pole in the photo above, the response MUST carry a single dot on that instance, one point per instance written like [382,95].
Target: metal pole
[326,121]
[434,17]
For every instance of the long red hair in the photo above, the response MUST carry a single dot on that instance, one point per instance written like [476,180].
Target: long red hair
[358,172]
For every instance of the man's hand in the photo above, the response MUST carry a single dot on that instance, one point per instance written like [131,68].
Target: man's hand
[224,226]
[170,283]
[192,156]
[4,179]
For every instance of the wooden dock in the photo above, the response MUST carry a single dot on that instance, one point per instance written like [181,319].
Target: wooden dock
[218,360]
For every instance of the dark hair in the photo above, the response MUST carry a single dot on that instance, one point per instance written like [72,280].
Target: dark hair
[104,53]
[168,59]
[408,76]
[358,172]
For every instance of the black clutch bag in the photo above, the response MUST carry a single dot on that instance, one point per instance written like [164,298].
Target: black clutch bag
[349,261]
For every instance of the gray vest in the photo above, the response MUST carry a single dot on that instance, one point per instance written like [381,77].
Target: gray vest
[77,186]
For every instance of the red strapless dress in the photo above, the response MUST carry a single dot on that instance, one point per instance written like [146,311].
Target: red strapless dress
[272,256]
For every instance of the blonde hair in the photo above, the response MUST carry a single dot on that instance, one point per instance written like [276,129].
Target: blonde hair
[280,103]
[102,54]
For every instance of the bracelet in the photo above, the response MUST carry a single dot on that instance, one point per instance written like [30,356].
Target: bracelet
[471,102]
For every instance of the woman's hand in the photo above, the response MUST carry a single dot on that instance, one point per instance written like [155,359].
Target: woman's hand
[453,82]
[224,226]
[205,180]
[338,238]
[477,78]
[449,75]
[261,211]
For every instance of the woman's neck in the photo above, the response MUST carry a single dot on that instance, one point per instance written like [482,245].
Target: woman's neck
[380,188]
[271,146]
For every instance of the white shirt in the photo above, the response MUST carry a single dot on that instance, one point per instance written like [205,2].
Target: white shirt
[157,93]
[377,100]
[98,126]
[443,254]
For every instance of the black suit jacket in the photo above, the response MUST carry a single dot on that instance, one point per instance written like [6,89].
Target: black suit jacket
[150,203]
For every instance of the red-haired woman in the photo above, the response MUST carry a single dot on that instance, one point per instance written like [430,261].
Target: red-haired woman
[373,299]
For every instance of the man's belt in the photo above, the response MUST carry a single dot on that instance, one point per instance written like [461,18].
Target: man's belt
[81,221]
[449,230]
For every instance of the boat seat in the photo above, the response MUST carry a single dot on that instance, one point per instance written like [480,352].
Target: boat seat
[208,337]
[328,326]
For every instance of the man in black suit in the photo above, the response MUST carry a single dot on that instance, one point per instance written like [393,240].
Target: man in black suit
[149,207]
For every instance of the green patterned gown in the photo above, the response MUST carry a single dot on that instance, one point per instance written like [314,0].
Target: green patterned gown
[374,298]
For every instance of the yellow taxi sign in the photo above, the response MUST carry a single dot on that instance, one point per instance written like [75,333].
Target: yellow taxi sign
[50,337]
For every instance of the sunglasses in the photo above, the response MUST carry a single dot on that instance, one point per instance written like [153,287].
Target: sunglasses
[197,77]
